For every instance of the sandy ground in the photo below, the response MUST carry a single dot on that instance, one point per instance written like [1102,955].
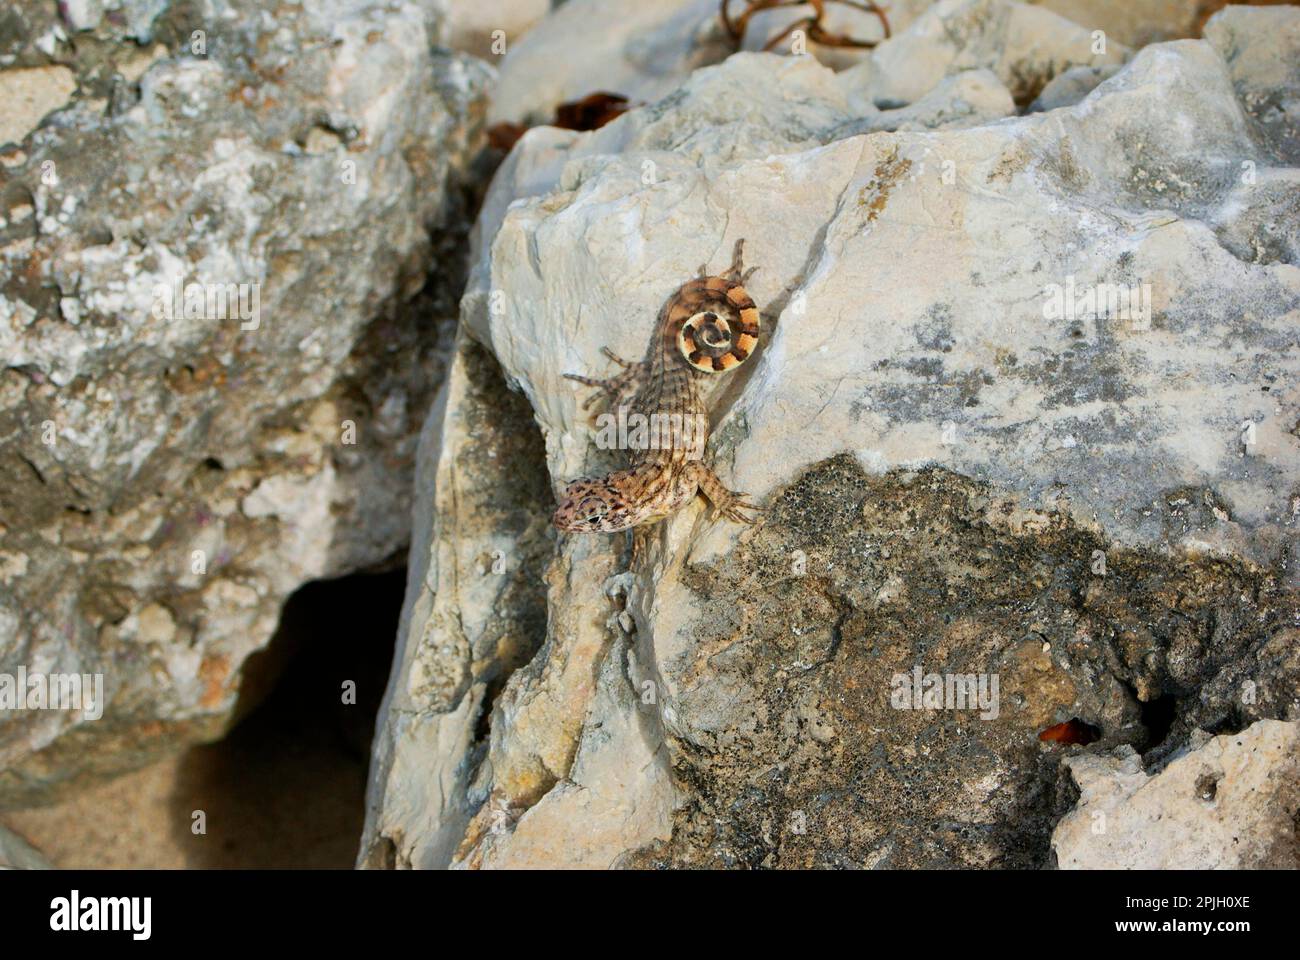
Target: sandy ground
[285,789]
[268,801]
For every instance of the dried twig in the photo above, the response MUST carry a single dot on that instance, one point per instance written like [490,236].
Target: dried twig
[812,24]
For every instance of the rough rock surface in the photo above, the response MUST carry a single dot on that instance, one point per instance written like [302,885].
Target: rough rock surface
[1259,46]
[17,854]
[644,50]
[165,484]
[1230,804]
[962,472]
[1025,46]
[1068,88]
[1097,510]
[641,49]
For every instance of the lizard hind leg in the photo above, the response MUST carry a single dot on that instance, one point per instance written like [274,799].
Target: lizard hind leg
[619,388]
[737,261]
[726,503]
[737,273]
[625,364]
[734,272]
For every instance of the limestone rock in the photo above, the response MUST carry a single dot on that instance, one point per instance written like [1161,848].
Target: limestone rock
[1022,411]
[17,854]
[640,49]
[1259,45]
[967,99]
[1229,804]
[1068,88]
[474,613]
[171,469]
[1025,46]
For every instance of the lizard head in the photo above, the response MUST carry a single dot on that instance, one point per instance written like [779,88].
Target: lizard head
[592,506]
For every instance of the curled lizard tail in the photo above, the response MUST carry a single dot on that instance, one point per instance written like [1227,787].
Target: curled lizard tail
[712,322]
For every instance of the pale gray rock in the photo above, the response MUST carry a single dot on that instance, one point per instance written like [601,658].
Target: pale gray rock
[1261,221]
[646,50]
[83,14]
[1025,46]
[967,99]
[1141,235]
[1228,804]
[165,484]
[639,49]
[474,614]
[963,469]
[1070,87]
[17,854]
[1259,45]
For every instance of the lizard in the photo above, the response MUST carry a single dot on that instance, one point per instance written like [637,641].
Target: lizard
[709,325]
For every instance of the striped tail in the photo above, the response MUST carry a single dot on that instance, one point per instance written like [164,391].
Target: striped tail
[713,323]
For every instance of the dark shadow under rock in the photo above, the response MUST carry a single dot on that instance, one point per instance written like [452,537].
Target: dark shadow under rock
[286,787]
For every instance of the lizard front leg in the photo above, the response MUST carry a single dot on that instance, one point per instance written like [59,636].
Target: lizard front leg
[726,503]
[619,388]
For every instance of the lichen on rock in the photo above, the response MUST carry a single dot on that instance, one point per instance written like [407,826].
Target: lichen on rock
[173,466]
